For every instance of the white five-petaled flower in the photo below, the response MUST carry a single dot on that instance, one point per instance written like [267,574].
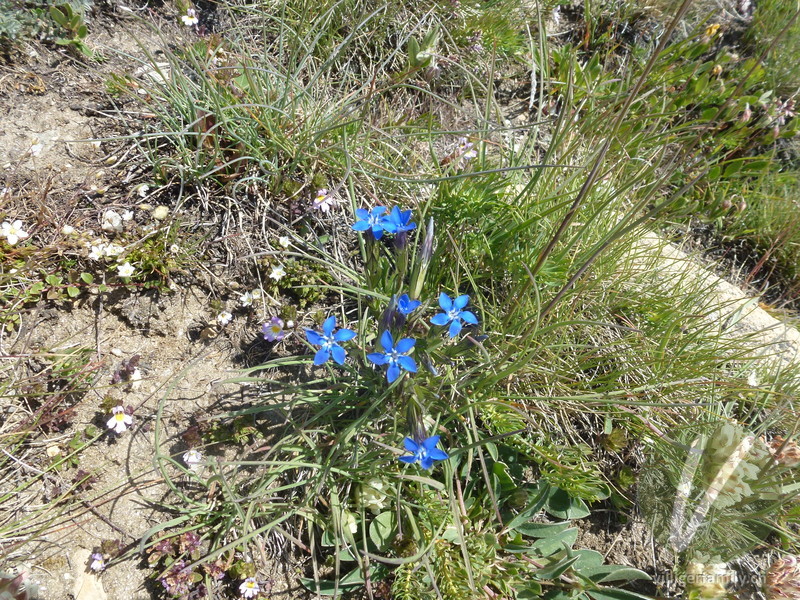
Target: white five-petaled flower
[192,458]
[112,221]
[224,318]
[120,420]
[190,18]
[125,270]
[277,273]
[98,563]
[112,250]
[283,241]
[67,230]
[249,588]
[323,201]
[246,299]
[13,231]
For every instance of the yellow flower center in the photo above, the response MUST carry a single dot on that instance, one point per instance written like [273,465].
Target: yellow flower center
[119,416]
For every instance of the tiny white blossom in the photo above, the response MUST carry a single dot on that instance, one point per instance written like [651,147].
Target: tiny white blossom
[127,215]
[256,293]
[67,230]
[120,421]
[224,318]
[277,273]
[142,190]
[324,201]
[112,250]
[283,241]
[13,232]
[246,299]
[97,252]
[125,270]
[98,563]
[160,212]
[192,458]
[249,588]
[112,221]
[135,379]
[190,18]
[752,379]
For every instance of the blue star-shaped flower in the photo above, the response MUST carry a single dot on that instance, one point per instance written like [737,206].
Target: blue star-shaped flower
[425,452]
[395,357]
[454,313]
[374,220]
[400,220]
[405,305]
[329,341]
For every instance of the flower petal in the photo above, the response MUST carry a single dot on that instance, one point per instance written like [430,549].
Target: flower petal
[377,231]
[404,345]
[360,226]
[387,341]
[338,354]
[455,328]
[344,335]
[461,301]
[314,337]
[112,422]
[431,442]
[362,214]
[469,317]
[440,319]
[437,454]
[426,463]
[377,358]
[410,445]
[321,357]
[407,363]
[409,460]
[329,325]
[445,302]
[392,373]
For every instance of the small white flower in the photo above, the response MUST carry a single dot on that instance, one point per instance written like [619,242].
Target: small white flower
[277,273]
[224,318]
[192,458]
[256,293]
[160,212]
[324,201]
[36,149]
[249,588]
[98,563]
[142,190]
[246,299]
[112,221]
[13,232]
[67,230]
[125,270]
[174,249]
[120,421]
[97,252]
[190,18]
[752,379]
[283,241]
[112,250]
[135,379]
[127,215]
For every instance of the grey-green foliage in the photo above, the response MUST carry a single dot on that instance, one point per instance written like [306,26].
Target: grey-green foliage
[21,20]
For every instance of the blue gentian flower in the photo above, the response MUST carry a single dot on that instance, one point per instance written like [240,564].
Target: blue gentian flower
[329,341]
[405,305]
[425,452]
[374,220]
[400,220]
[394,356]
[454,313]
